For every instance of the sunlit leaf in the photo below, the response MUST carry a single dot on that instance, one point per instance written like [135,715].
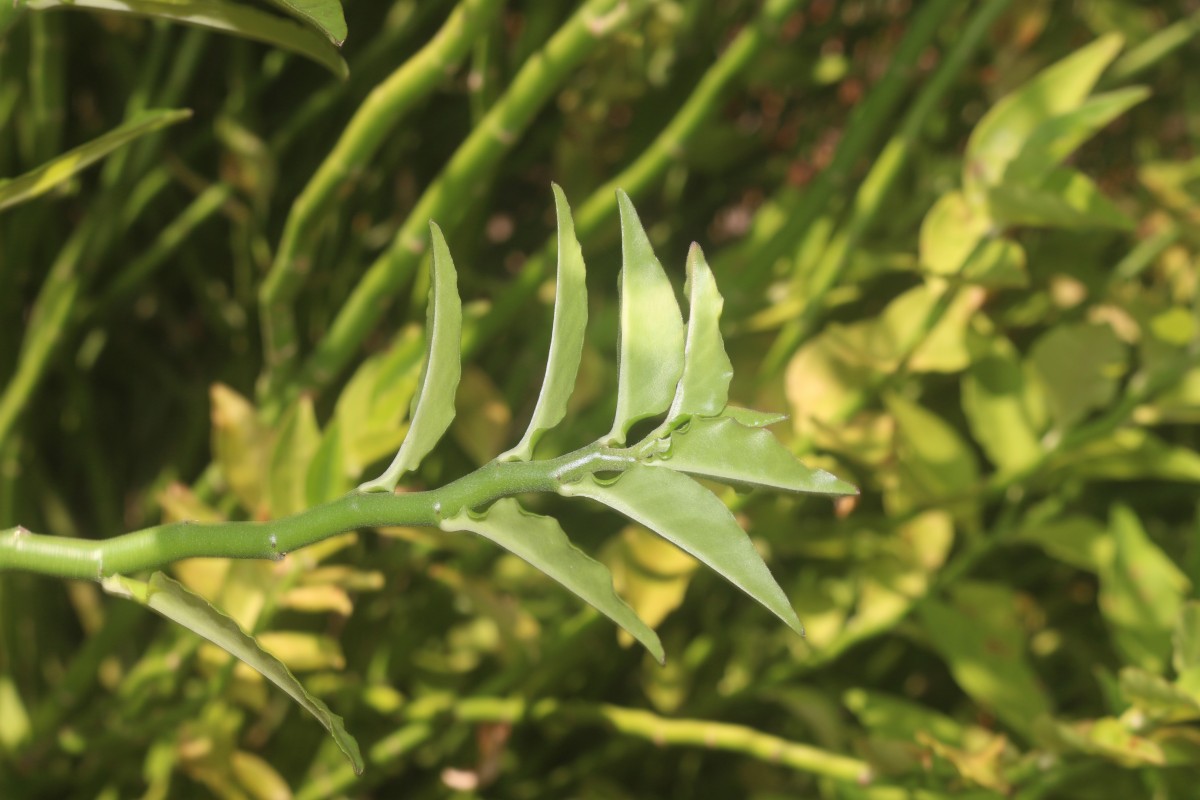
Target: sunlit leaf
[651,342]
[372,410]
[933,460]
[324,15]
[237,19]
[1061,87]
[241,447]
[993,400]
[1186,640]
[650,573]
[1079,366]
[1158,698]
[171,600]
[727,451]
[684,512]
[960,238]
[981,641]
[295,445]
[433,405]
[751,418]
[542,542]
[45,177]
[566,338]
[1060,198]
[704,387]
[327,476]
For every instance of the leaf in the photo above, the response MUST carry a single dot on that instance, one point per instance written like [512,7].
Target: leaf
[324,15]
[226,17]
[934,461]
[241,445]
[540,541]
[993,400]
[703,388]
[481,426]
[172,600]
[1186,640]
[1078,366]
[566,338]
[42,179]
[751,418]
[1142,593]
[1055,139]
[1158,698]
[651,342]
[372,410]
[297,442]
[980,640]
[960,238]
[1061,198]
[727,451]
[433,405]
[1002,133]
[691,517]
[327,477]
[651,574]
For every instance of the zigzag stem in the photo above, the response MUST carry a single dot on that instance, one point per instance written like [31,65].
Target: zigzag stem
[155,547]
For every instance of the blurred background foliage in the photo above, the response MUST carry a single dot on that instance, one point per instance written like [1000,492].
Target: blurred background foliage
[982,311]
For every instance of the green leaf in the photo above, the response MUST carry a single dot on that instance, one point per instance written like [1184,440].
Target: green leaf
[651,341]
[45,177]
[1061,198]
[993,400]
[1002,133]
[433,405]
[540,541]
[1078,366]
[725,450]
[933,460]
[172,600]
[981,641]
[1158,698]
[566,338]
[373,408]
[703,389]
[1142,593]
[1056,138]
[324,15]
[751,418]
[241,447]
[685,513]
[327,476]
[226,17]
[1186,640]
[959,238]
[297,442]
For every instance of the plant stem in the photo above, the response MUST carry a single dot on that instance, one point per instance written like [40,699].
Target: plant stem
[372,122]
[666,149]
[461,178]
[157,546]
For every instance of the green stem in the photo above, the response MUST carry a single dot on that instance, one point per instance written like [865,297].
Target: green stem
[160,545]
[877,185]
[443,200]
[668,148]
[372,123]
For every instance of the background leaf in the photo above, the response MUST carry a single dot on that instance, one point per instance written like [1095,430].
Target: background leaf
[324,15]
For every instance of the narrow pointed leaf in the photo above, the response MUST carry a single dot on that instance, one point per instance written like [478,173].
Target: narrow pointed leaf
[650,350]
[725,450]
[685,513]
[42,179]
[1004,130]
[704,388]
[566,339]
[433,404]
[1061,198]
[219,15]
[323,15]
[540,541]
[751,418]
[172,600]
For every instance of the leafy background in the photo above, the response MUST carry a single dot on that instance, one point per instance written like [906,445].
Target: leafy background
[1001,354]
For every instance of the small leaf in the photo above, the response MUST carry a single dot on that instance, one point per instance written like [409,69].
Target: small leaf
[1004,130]
[751,418]
[1056,138]
[324,15]
[1186,640]
[217,15]
[433,405]
[1079,366]
[566,338]
[703,389]
[727,451]
[540,541]
[691,517]
[933,461]
[172,600]
[42,179]
[651,342]
[241,445]
[327,477]
[372,411]
[1061,198]
[296,445]
[993,400]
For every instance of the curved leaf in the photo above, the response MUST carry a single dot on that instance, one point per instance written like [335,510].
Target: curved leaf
[566,338]
[324,15]
[218,15]
[751,418]
[723,449]
[433,404]
[650,350]
[540,541]
[1060,198]
[172,600]
[45,177]
[703,389]
[685,513]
